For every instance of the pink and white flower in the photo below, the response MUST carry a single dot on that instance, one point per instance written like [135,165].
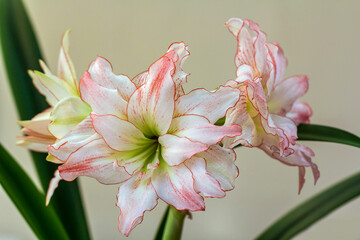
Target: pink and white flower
[66,108]
[150,137]
[269,109]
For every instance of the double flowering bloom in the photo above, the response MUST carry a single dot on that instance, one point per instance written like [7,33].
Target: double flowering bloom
[153,140]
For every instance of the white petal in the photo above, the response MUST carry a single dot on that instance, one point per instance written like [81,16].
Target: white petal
[176,150]
[94,159]
[151,107]
[134,198]
[54,183]
[204,183]
[220,165]
[67,113]
[102,73]
[286,93]
[299,156]
[175,186]
[119,134]
[51,87]
[211,105]
[300,113]
[102,100]
[66,69]
[198,128]
[77,137]
[39,123]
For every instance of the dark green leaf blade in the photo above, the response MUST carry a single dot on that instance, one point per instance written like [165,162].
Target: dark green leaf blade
[21,52]
[313,132]
[312,210]
[28,200]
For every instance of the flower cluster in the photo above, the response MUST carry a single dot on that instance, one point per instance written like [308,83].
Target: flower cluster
[156,141]
[269,109]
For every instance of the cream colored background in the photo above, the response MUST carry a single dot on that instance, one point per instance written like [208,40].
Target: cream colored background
[320,39]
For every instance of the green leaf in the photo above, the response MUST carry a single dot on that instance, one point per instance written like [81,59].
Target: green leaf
[160,231]
[21,52]
[312,210]
[28,200]
[314,132]
[171,225]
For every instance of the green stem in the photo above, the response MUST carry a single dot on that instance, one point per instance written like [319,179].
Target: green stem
[174,224]
[160,231]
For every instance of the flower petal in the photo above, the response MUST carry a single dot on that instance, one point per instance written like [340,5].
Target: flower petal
[176,150]
[77,137]
[39,123]
[66,115]
[212,105]
[102,73]
[300,112]
[300,156]
[94,159]
[204,183]
[287,126]
[139,79]
[178,52]
[220,165]
[51,87]
[37,136]
[198,128]
[101,99]
[151,107]
[66,69]
[54,183]
[119,134]
[239,115]
[278,64]
[136,160]
[175,186]
[37,145]
[250,51]
[286,93]
[134,198]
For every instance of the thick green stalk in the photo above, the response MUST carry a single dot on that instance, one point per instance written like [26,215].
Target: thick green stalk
[173,225]
[21,52]
[160,231]
[29,200]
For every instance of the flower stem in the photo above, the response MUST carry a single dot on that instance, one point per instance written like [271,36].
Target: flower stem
[174,224]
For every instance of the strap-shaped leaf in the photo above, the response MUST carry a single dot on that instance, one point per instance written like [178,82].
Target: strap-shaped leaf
[21,52]
[28,200]
[314,132]
[312,210]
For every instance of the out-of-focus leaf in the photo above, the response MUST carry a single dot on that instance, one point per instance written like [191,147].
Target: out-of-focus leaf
[313,132]
[312,210]
[21,53]
[28,200]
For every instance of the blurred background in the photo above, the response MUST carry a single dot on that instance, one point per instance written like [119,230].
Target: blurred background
[320,39]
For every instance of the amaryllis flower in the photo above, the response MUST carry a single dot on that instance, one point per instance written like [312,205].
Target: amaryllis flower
[62,94]
[269,108]
[150,137]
